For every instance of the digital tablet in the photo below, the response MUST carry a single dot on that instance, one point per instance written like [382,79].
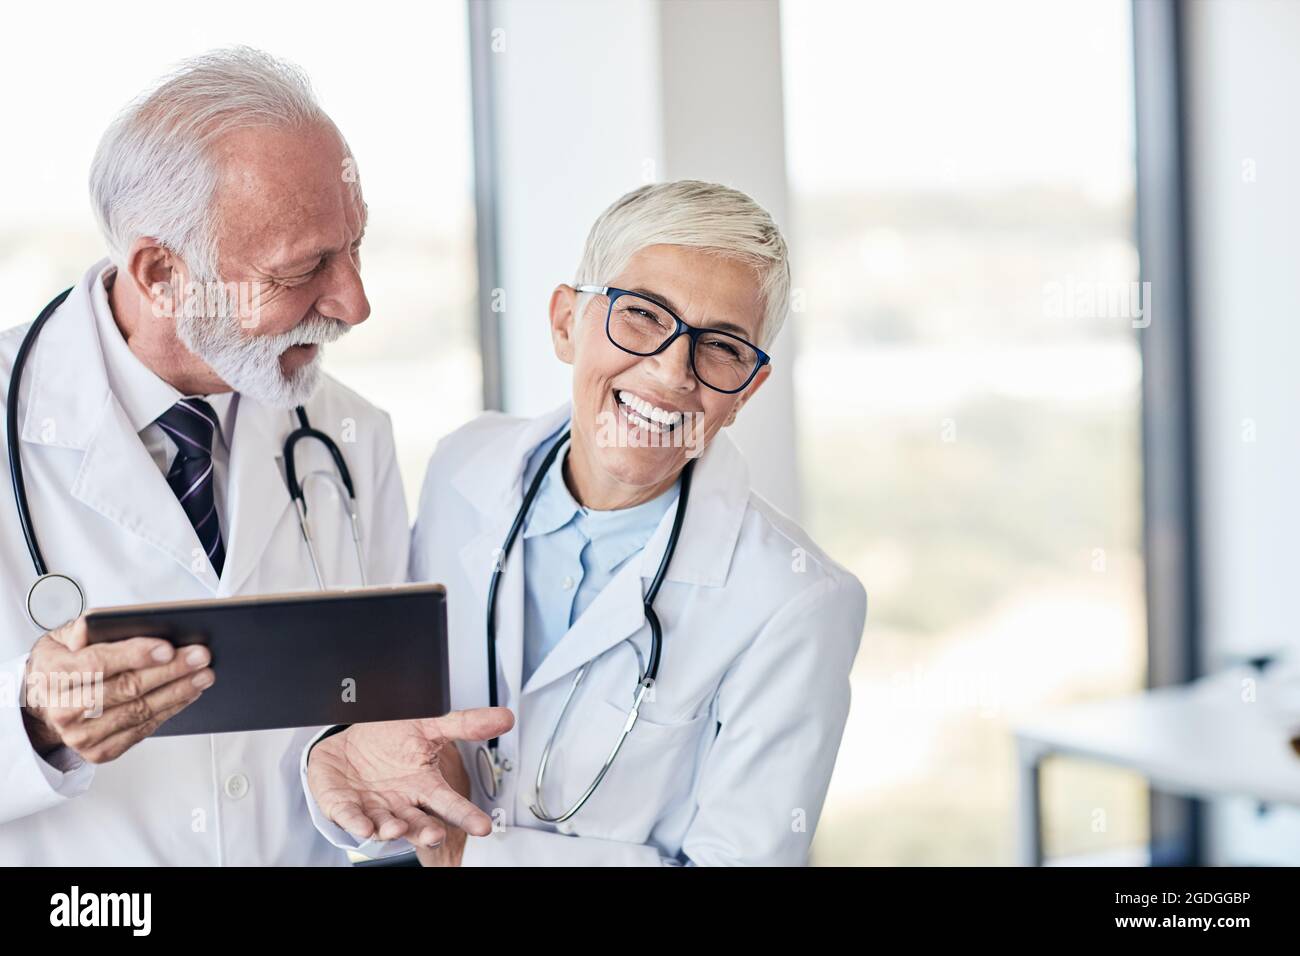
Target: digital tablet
[303,659]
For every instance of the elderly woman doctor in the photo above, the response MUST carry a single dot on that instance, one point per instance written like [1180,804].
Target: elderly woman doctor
[674,651]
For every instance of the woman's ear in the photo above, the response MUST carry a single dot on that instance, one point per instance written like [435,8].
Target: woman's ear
[564,301]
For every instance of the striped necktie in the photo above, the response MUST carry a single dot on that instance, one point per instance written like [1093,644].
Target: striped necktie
[192,425]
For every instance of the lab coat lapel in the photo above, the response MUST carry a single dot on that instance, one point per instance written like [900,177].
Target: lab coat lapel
[616,613]
[718,503]
[69,405]
[718,499]
[118,479]
[65,384]
[257,496]
[491,480]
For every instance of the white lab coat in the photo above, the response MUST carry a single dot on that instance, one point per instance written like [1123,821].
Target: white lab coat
[730,761]
[105,515]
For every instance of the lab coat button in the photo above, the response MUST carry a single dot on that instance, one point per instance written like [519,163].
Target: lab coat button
[236,786]
[568,582]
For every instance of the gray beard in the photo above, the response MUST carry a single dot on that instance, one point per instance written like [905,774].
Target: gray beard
[250,364]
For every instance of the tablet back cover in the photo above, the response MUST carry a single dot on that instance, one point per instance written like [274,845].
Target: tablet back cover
[304,659]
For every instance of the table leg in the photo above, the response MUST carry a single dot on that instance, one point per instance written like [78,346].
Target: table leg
[1029,810]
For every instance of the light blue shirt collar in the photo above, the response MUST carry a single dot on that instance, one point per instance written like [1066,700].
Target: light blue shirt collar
[572,553]
[612,536]
[554,506]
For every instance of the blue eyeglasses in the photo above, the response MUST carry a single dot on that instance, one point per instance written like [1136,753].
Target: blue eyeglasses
[639,325]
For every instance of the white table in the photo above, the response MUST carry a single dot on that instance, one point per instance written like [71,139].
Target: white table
[1196,740]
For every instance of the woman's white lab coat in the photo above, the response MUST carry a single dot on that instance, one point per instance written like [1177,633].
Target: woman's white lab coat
[730,761]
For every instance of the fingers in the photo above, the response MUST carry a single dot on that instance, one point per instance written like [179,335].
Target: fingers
[349,815]
[381,823]
[421,828]
[115,730]
[113,746]
[479,723]
[136,683]
[387,826]
[72,635]
[134,653]
[108,658]
[459,812]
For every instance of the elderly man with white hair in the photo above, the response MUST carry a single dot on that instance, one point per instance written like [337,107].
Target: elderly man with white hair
[668,654]
[149,421]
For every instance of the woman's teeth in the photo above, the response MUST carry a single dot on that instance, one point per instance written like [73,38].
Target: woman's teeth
[645,415]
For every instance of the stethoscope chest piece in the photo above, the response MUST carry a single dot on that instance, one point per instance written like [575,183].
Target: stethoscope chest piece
[490,771]
[54,600]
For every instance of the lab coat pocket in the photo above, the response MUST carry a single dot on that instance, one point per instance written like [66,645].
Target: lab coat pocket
[651,774]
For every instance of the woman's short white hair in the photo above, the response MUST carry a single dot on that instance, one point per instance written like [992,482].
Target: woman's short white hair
[154,173]
[702,215]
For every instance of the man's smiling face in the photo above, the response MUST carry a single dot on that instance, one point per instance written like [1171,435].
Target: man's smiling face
[289,226]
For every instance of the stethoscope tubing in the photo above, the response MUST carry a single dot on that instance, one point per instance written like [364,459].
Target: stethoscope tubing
[488,764]
[342,484]
[11,433]
[499,567]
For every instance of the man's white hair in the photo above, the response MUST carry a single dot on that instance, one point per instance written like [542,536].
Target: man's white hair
[154,172]
[702,215]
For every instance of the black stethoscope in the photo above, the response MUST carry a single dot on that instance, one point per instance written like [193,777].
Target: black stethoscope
[490,766]
[54,599]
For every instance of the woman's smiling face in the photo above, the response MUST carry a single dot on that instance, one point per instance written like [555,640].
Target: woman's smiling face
[637,420]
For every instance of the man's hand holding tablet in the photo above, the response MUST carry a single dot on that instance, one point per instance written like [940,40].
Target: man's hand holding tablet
[130,688]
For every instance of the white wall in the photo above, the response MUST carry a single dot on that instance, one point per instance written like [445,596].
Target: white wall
[592,99]
[577,125]
[724,121]
[1244,156]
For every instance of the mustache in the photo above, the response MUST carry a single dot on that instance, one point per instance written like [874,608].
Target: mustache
[316,329]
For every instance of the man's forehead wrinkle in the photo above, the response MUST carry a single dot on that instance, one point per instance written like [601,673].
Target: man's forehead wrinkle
[358,217]
[304,240]
[242,187]
[275,201]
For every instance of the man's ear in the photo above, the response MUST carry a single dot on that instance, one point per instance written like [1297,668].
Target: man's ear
[748,393]
[154,274]
[564,301]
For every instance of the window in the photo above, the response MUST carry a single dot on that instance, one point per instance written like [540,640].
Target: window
[398,88]
[962,224]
